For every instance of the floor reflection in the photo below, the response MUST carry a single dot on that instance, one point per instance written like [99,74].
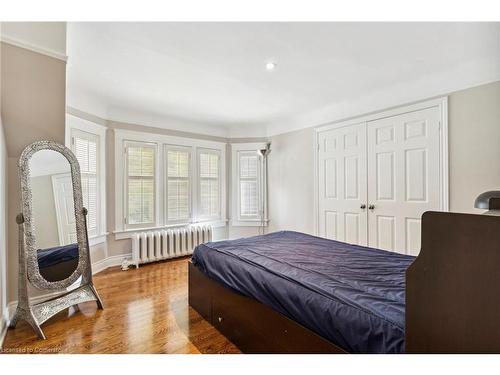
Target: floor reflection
[145,311]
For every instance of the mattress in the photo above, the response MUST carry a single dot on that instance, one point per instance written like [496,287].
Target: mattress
[54,255]
[351,295]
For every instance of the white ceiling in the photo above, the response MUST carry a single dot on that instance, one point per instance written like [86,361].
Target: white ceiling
[211,77]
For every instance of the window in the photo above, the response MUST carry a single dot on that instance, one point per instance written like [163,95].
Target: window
[140,184]
[248,184]
[167,181]
[249,206]
[209,184]
[86,148]
[178,189]
[87,140]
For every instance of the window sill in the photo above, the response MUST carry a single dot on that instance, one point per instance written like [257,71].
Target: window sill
[129,233]
[248,223]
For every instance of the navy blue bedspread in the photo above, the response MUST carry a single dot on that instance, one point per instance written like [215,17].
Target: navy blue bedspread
[353,296]
[52,256]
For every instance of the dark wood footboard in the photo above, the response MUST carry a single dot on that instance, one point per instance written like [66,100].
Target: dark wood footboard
[250,325]
[453,287]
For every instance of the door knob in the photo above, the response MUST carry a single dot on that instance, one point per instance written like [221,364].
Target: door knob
[363,206]
[371,207]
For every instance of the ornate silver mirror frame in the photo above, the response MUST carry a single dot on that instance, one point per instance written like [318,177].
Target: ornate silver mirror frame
[34,276]
[29,272]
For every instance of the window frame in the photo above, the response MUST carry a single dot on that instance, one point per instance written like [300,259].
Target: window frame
[127,144]
[76,125]
[121,231]
[77,133]
[236,218]
[258,181]
[199,217]
[166,149]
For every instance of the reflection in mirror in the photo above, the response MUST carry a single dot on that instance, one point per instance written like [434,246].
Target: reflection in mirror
[53,215]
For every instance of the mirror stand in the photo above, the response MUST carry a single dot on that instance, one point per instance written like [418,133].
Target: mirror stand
[37,314]
[55,258]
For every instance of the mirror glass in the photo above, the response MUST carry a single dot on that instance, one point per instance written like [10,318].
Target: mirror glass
[53,215]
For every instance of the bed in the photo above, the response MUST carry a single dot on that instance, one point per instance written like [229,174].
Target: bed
[317,282]
[289,292]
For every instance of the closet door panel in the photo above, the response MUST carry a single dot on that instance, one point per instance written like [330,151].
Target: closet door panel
[342,184]
[403,178]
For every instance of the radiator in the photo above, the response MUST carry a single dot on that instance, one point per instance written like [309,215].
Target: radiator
[153,246]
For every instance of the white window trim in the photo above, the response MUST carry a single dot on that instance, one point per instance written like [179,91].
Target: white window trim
[76,123]
[236,219]
[121,135]
[166,148]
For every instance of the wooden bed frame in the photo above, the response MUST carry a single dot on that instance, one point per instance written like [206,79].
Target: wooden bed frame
[452,297]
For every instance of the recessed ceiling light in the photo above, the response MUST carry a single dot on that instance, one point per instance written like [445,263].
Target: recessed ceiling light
[271,65]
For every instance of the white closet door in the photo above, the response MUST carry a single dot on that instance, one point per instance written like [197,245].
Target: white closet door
[342,184]
[403,178]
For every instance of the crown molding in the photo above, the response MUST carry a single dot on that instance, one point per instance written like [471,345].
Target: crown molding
[34,48]
[141,127]
[401,94]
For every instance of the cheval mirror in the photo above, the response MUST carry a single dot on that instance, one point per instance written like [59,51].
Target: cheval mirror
[53,241]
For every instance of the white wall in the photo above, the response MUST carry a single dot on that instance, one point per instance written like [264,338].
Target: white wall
[291,181]
[474,137]
[474,160]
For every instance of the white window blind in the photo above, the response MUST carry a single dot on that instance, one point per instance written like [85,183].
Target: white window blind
[86,149]
[209,184]
[140,184]
[178,185]
[248,184]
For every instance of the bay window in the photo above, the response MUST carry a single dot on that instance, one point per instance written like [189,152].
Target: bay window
[167,181]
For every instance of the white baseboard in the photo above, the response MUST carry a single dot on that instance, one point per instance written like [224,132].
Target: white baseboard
[112,261]
[101,265]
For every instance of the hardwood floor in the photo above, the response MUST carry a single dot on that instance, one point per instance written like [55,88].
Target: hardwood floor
[145,311]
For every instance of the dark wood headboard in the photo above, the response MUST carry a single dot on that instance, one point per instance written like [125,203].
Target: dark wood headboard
[453,287]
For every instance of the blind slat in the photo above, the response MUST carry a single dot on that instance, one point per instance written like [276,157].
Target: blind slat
[249,198]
